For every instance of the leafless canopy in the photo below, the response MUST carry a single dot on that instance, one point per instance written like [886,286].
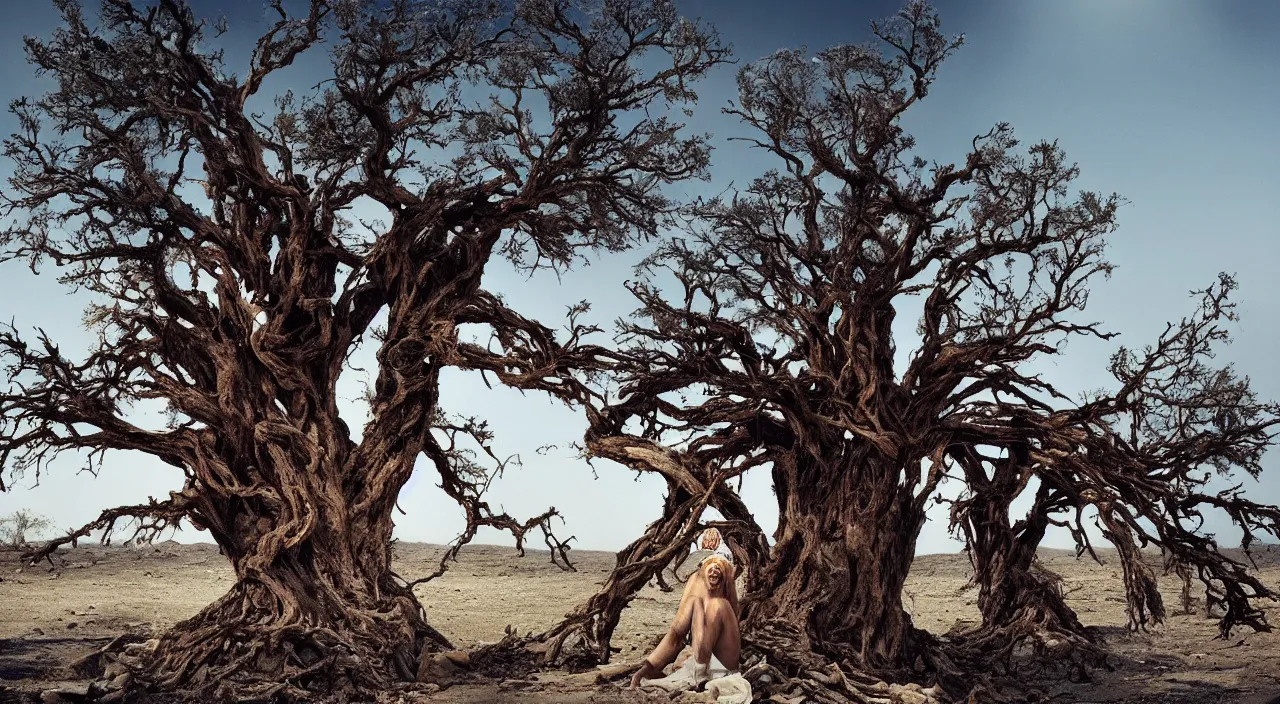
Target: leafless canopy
[218,226]
[765,338]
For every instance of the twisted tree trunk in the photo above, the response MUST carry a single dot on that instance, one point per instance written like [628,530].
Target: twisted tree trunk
[841,559]
[1012,587]
[1021,602]
[315,606]
[326,614]
[1143,602]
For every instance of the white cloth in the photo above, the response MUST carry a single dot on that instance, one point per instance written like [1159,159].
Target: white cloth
[728,687]
[731,689]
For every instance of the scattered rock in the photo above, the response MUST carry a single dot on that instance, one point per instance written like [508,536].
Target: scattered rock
[134,650]
[909,694]
[697,698]
[113,670]
[66,693]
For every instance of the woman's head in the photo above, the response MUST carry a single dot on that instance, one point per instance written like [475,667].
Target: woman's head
[710,539]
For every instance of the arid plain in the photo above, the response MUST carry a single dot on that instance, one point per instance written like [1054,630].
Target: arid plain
[51,615]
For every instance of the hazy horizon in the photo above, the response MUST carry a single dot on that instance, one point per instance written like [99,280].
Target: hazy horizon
[1172,104]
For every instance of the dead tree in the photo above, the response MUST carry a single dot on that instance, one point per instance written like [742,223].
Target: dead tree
[776,348]
[788,303]
[537,131]
[1151,449]
[1017,597]
[19,526]
[1141,451]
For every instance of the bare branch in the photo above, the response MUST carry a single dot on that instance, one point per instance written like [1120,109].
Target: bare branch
[147,521]
[231,285]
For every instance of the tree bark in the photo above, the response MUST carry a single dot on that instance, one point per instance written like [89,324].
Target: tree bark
[839,566]
[325,614]
[1012,588]
[1143,603]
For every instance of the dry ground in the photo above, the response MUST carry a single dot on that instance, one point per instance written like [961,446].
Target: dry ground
[49,616]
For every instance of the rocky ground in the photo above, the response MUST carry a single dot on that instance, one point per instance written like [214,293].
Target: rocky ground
[50,616]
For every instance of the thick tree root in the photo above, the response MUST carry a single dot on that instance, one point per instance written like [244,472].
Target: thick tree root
[241,649]
[1040,635]
[508,659]
[781,666]
[571,649]
[1033,643]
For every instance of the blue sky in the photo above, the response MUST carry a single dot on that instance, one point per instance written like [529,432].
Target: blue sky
[1174,104]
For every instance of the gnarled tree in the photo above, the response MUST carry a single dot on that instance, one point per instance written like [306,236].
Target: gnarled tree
[19,526]
[776,347]
[231,285]
[1017,598]
[1140,452]
[786,318]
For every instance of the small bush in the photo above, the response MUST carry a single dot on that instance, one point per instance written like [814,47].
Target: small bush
[16,528]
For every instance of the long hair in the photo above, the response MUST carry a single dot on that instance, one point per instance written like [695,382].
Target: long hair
[707,536]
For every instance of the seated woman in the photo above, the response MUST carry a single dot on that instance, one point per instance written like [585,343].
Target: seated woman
[707,618]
